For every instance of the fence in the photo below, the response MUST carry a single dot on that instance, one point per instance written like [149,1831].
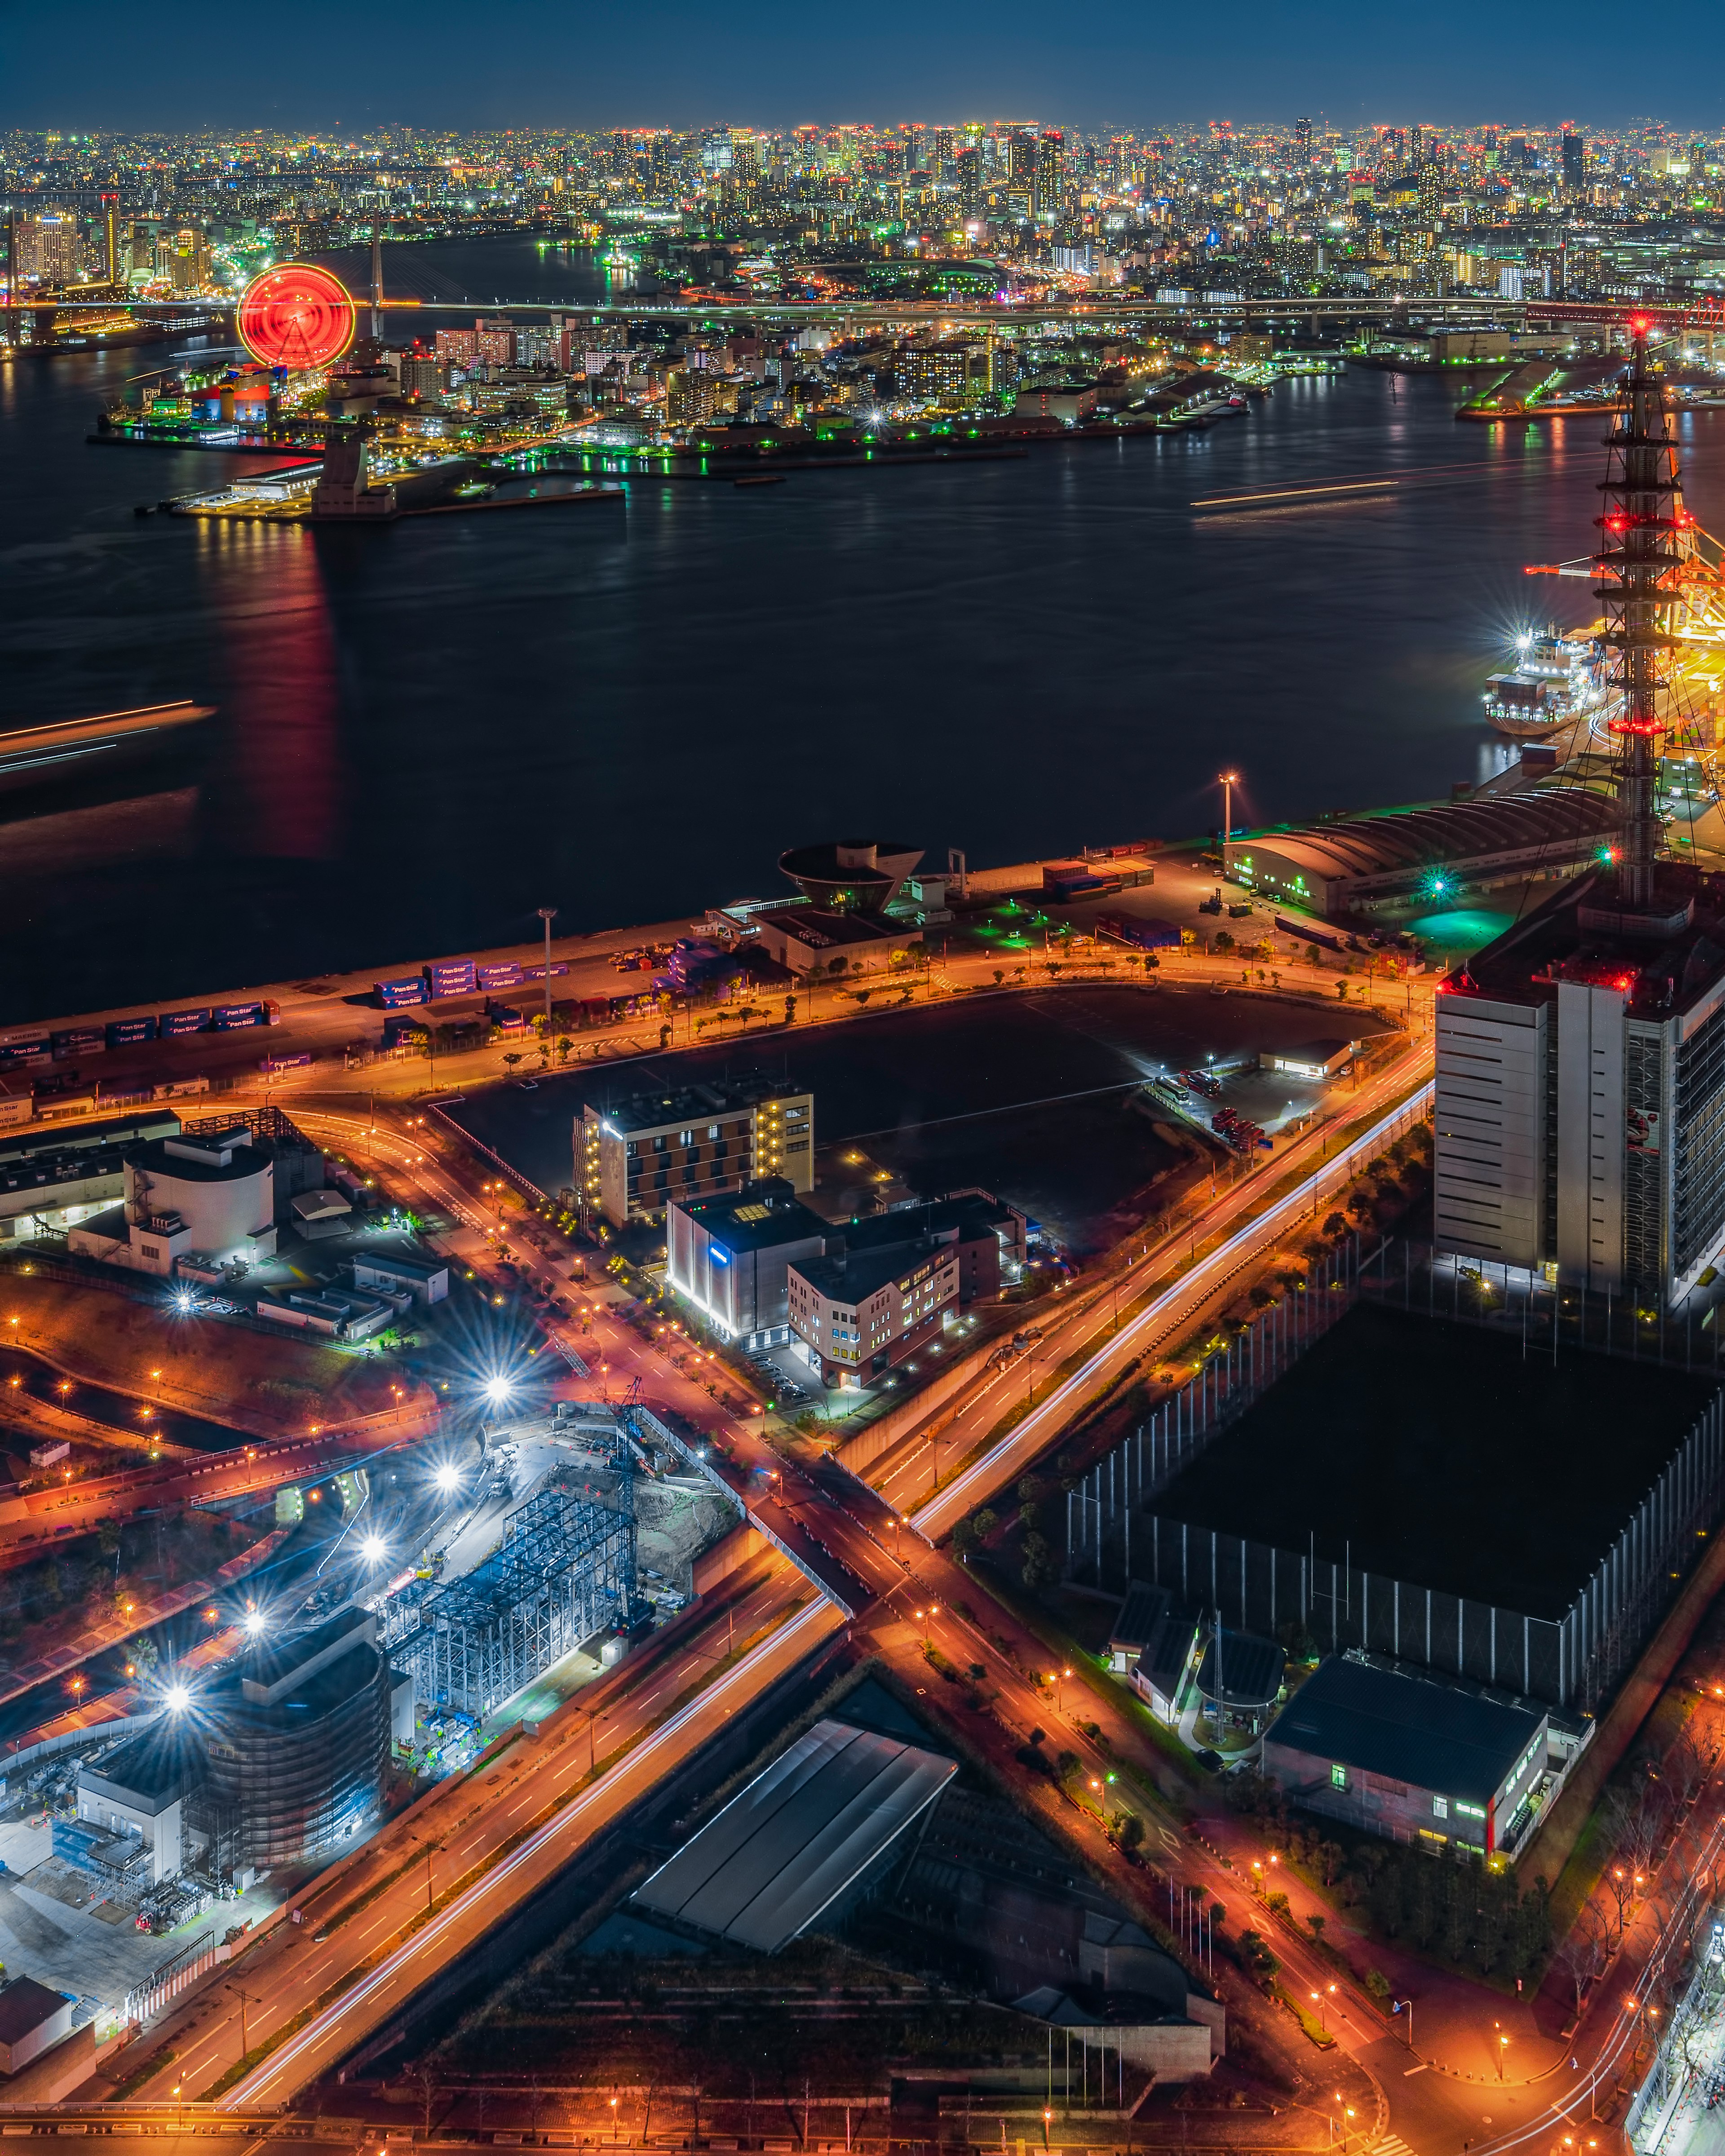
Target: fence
[1099,1509]
[1576,1660]
[1547,1317]
[166,1983]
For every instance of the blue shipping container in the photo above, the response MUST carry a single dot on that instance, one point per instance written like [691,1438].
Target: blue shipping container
[177,1022]
[395,995]
[79,1040]
[457,978]
[509,976]
[232,1017]
[537,972]
[123,1031]
[284,1062]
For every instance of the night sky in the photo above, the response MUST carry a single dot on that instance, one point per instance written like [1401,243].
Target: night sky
[551,63]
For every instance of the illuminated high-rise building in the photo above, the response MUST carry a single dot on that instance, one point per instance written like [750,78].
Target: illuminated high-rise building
[1431,193]
[1574,163]
[1050,173]
[1302,138]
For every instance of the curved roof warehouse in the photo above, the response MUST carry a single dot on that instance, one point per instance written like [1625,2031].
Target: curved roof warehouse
[1384,862]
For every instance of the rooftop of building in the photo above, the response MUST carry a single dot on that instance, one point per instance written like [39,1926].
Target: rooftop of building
[148,1772]
[759,1217]
[31,1146]
[802,1833]
[820,931]
[658,1110]
[225,1156]
[25,2006]
[1440,833]
[1430,1451]
[1659,973]
[853,1276]
[1407,1729]
[307,1671]
[1240,1669]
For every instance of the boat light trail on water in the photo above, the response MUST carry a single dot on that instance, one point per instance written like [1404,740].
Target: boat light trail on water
[1412,476]
[1293,493]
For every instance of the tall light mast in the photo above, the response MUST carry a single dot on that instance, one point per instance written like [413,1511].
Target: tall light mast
[1638,552]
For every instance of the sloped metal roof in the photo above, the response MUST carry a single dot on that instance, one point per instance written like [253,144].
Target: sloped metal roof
[788,1845]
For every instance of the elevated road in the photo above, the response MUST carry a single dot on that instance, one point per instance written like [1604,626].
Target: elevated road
[42,1517]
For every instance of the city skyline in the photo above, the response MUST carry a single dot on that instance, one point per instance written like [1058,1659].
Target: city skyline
[542,67]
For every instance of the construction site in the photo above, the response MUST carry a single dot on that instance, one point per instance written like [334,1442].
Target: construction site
[583,1533]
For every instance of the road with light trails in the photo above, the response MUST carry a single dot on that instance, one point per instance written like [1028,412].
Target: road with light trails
[41,1516]
[471,1822]
[935,1513]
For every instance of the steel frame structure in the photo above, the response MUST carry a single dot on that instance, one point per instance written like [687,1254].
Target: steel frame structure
[565,1568]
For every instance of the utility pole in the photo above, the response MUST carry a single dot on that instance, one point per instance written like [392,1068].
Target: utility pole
[547,914]
[1227,780]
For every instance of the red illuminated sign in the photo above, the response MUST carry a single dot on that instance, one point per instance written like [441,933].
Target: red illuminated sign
[296,315]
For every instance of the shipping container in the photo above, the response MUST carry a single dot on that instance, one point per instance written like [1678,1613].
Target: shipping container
[456,978]
[79,1041]
[270,1063]
[506,974]
[537,972]
[272,1012]
[34,1048]
[399,994]
[123,1032]
[504,1018]
[1309,932]
[234,1017]
[171,1023]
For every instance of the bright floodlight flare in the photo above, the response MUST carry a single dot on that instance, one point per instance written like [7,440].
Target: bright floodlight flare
[179,1698]
[448,1476]
[372,1548]
[498,1389]
[255,1622]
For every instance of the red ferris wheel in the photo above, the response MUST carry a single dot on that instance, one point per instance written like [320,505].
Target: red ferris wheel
[296,315]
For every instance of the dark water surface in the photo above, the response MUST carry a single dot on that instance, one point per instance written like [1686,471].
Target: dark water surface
[426,732]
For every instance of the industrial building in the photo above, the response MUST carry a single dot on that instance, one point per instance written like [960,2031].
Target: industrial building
[1343,1493]
[278,1759]
[1580,1095]
[635,1158]
[808,940]
[563,1574]
[803,1840]
[52,1179]
[1400,860]
[209,1195]
[1413,1760]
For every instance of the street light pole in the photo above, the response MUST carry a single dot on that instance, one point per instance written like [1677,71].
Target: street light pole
[1227,780]
[547,914]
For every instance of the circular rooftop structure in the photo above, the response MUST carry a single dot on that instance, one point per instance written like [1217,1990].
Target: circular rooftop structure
[851,876]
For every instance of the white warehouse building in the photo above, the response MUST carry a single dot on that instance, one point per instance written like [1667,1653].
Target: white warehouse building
[191,1202]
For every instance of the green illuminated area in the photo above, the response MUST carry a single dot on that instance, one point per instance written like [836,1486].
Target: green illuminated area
[1010,927]
[1466,929]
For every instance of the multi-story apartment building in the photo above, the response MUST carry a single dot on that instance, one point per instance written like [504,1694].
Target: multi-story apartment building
[634,1159]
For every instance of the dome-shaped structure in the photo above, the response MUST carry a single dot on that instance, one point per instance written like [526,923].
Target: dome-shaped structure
[851,876]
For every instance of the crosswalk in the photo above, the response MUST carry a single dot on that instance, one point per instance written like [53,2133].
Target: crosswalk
[1392,2144]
